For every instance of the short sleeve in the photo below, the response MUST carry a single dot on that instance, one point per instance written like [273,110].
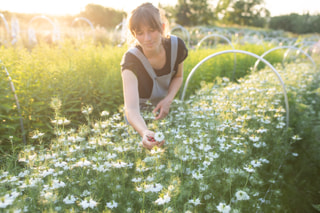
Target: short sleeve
[182,53]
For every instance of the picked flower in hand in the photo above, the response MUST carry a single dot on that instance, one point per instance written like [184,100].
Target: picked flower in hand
[159,136]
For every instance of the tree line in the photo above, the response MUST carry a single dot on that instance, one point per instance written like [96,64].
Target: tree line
[249,13]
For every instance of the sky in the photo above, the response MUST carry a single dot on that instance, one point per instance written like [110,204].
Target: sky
[73,7]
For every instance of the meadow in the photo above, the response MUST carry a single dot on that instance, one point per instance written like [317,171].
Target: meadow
[228,147]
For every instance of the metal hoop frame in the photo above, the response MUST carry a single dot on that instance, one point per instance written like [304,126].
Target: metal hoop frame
[247,53]
[17,103]
[283,47]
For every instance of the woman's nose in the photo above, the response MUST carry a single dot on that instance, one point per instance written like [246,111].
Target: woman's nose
[147,36]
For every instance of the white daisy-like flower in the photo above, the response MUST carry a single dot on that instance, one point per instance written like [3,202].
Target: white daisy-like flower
[112,204]
[256,163]
[163,199]
[249,169]
[157,187]
[224,208]
[159,136]
[195,201]
[105,113]
[242,195]
[6,201]
[197,175]
[70,199]
[254,138]
[296,137]
[88,204]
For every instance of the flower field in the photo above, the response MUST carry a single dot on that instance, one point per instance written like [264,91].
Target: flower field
[228,149]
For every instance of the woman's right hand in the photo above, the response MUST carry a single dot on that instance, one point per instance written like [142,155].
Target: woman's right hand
[148,140]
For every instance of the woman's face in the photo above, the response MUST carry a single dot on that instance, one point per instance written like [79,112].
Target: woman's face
[149,38]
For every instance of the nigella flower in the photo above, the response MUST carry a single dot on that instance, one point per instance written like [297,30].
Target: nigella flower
[157,187]
[62,121]
[87,110]
[296,137]
[224,208]
[57,184]
[163,199]
[37,135]
[159,136]
[249,168]
[242,195]
[221,139]
[6,201]
[238,150]
[254,138]
[83,162]
[136,180]
[261,130]
[259,144]
[256,163]
[88,204]
[112,204]
[70,199]
[195,201]
[197,175]
[104,113]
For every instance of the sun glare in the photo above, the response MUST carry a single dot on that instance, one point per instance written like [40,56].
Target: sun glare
[71,7]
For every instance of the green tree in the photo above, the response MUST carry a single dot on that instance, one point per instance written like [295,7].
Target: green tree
[296,23]
[246,13]
[103,16]
[194,12]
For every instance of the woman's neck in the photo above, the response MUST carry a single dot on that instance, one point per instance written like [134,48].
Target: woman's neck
[154,53]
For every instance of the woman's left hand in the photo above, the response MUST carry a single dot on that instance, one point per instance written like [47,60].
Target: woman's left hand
[162,109]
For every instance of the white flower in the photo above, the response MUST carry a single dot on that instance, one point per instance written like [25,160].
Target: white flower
[256,163]
[136,180]
[37,135]
[105,113]
[112,204]
[156,150]
[70,199]
[197,175]
[254,138]
[62,121]
[159,136]
[195,201]
[249,168]
[222,207]
[57,184]
[242,195]
[153,187]
[296,137]
[163,199]
[88,204]
[87,110]
[6,201]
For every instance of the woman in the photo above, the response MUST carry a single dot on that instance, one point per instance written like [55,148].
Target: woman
[152,70]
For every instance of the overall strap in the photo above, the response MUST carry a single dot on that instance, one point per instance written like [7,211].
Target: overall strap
[174,50]
[144,61]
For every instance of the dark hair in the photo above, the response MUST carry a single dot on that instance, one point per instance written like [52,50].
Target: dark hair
[145,14]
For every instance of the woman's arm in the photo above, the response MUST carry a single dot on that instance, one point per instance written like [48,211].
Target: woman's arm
[164,105]
[132,108]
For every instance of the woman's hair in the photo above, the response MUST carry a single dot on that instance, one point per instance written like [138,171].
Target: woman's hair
[149,15]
